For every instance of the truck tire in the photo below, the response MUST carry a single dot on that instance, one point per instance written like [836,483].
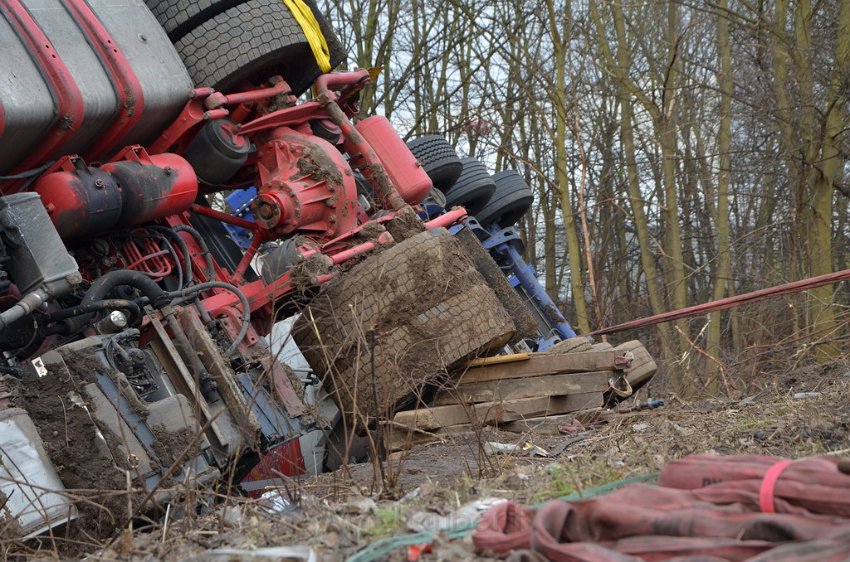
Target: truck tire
[251,42]
[572,345]
[473,188]
[509,202]
[438,159]
[398,321]
[178,17]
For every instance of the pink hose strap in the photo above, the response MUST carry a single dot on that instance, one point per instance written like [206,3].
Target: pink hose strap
[768,486]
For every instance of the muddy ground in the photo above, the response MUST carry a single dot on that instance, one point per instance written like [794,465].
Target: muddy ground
[340,513]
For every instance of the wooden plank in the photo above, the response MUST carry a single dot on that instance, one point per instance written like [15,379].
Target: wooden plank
[220,371]
[531,387]
[493,413]
[484,361]
[539,364]
[549,425]
[400,439]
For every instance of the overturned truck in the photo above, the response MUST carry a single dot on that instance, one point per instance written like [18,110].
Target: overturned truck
[141,315]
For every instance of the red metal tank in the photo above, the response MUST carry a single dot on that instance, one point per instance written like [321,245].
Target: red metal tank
[85,201]
[153,187]
[411,181]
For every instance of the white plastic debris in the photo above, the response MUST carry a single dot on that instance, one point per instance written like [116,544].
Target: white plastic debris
[273,501]
[431,522]
[494,448]
[805,395]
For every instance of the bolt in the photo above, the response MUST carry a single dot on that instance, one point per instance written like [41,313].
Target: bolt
[266,210]
[99,183]
[118,319]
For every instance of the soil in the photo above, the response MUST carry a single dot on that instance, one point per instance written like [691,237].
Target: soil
[340,513]
[170,446]
[316,164]
[406,224]
[371,231]
[306,273]
[90,468]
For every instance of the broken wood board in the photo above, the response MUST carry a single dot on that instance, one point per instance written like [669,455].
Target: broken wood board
[530,387]
[494,413]
[550,425]
[539,364]
[399,438]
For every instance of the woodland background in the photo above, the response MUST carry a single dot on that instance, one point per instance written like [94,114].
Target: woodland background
[679,152]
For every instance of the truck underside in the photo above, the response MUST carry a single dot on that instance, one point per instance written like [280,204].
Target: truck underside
[144,328]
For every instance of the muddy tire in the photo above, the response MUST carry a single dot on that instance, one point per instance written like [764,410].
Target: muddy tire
[511,200]
[525,324]
[438,159]
[643,366]
[249,43]
[397,321]
[572,345]
[473,188]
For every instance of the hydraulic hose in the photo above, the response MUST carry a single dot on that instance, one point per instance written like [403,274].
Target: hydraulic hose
[204,247]
[105,284]
[135,312]
[184,249]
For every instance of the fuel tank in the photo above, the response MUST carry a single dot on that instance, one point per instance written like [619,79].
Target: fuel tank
[83,77]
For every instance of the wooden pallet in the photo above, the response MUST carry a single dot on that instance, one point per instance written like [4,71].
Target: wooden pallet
[513,393]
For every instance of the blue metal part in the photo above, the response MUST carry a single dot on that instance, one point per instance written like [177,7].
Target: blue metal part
[274,423]
[506,247]
[240,201]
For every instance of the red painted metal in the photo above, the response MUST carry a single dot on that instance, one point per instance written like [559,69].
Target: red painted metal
[239,273]
[146,255]
[405,172]
[326,83]
[191,117]
[83,201]
[279,87]
[383,239]
[288,117]
[131,99]
[730,302]
[282,461]
[70,108]
[258,293]
[223,217]
[282,385]
[444,221]
[152,187]
[305,185]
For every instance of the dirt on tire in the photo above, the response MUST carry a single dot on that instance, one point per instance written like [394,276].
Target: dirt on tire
[381,332]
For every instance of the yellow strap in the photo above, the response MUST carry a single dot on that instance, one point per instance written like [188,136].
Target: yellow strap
[310,26]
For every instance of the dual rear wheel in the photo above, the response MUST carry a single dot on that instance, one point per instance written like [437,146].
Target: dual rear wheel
[233,44]
[501,199]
